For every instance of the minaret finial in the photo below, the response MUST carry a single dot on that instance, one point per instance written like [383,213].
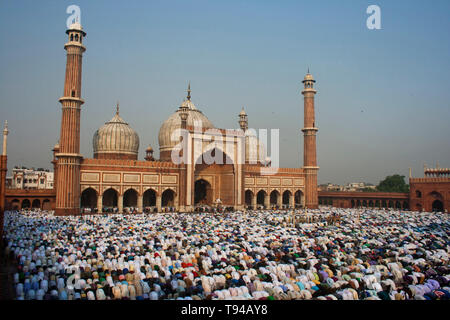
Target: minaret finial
[308,70]
[189,91]
[117,108]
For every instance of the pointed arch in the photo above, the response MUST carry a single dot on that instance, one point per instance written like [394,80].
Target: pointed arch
[89,198]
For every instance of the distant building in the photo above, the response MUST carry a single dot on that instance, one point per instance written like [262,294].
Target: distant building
[351,187]
[24,178]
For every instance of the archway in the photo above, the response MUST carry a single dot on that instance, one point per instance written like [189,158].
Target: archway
[260,198]
[26,204]
[46,205]
[298,198]
[358,203]
[353,203]
[398,205]
[287,197]
[130,198]
[364,203]
[168,198]
[110,197]
[249,198]
[274,197]
[437,206]
[202,193]
[15,204]
[371,203]
[89,198]
[149,198]
[36,204]
[405,205]
[219,166]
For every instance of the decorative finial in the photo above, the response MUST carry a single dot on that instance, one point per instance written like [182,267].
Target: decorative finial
[437,164]
[189,91]
[308,70]
[410,172]
[117,108]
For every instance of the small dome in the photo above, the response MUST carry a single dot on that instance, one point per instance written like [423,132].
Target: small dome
[174,122]
[243,112]
[116,140]
[149,149]
[309,77]
[76,26]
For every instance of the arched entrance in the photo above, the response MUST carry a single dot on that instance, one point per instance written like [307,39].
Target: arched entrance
[298,199]
[168,198]
[203,193]
[110,197]
[274,197]
[219,168]
[437,206]
[287,198]
[149,199]
[260,198]
[26,204]
[130,198]
[89,198]
[249,198]
[36,204]
[15,204]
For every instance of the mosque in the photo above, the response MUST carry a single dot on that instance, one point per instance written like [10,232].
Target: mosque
[116,178]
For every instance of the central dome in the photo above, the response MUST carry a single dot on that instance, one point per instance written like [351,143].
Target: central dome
[166,144]
[116,140]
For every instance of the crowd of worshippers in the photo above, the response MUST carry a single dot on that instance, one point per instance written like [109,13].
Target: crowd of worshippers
[253,255]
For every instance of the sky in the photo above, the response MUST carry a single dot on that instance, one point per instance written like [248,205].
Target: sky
[383,101]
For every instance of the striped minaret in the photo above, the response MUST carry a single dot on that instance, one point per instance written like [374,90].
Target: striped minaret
[69,157]
[309,144]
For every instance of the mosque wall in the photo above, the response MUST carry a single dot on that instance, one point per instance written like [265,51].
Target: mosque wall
[426,192]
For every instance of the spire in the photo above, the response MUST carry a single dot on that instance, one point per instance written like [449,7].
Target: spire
[410,173]
[189,91]
[308,70]
[117,108]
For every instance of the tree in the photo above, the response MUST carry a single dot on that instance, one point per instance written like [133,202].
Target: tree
[395,183]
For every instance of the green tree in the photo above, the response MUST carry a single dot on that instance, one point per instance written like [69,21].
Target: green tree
[395,183]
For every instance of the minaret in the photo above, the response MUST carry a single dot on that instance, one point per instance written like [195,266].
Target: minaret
[309,145]
[5,138]
[243,120]
[69,157]
[183,114]
[3,171]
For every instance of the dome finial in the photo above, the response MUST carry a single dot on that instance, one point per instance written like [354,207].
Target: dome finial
[117,107]
[308,70]
[189,91]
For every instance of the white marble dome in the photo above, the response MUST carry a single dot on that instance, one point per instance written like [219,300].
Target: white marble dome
[174,122]
[115,138]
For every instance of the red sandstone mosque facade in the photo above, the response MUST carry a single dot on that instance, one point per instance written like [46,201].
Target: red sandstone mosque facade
[115,178]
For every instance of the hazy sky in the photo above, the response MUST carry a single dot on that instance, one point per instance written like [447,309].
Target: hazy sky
[383,102]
